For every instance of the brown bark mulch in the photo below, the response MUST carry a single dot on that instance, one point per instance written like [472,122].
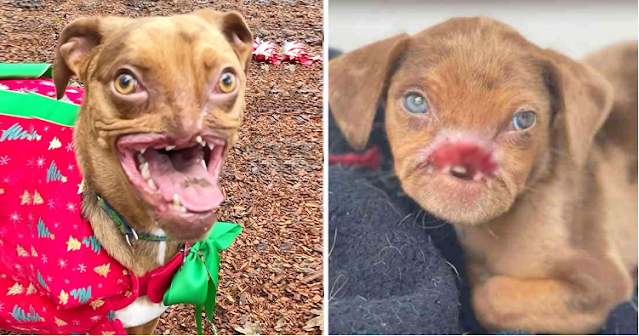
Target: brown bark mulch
[271,277]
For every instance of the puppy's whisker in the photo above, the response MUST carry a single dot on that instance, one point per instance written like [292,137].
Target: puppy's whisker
[508,183]
[490,232]
[533,191]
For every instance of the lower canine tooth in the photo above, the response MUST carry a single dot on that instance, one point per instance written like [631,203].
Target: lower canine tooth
[151,184]
[203,163]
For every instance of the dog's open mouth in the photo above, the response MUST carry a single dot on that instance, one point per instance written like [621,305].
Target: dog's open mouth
[178,177]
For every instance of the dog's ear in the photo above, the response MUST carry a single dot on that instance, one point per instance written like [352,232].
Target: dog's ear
[235,30]
[75,47]
[357,82]
[582,100]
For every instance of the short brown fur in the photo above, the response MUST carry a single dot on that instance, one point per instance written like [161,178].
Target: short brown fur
[551,243]
[177,76]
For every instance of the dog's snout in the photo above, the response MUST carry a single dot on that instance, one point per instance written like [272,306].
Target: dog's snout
[464,159]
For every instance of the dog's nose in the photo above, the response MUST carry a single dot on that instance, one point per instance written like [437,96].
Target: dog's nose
[464,159]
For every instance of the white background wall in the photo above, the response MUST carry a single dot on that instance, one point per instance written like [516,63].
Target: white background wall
[572,27]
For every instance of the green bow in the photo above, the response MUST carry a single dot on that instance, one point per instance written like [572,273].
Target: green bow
[196,282]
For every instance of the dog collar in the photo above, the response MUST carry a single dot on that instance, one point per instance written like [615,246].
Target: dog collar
[124,226]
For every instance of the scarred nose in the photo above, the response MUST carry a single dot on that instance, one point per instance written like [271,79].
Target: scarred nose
[463,158]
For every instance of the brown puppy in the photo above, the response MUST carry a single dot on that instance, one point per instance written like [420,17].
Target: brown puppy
[164,100]
[529,154]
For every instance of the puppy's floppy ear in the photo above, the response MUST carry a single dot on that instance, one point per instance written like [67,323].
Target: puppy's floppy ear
[75,47]
[235,30]
[582,100]
[357,81]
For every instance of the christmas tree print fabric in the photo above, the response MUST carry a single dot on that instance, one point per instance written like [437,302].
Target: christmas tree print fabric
[54,276]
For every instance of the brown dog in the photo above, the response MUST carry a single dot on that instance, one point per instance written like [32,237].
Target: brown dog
[164,100]
[530,155]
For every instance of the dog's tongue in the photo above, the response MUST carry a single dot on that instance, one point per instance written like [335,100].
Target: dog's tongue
[181,173]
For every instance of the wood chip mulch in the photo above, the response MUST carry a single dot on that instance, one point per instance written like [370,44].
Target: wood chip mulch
[271,277]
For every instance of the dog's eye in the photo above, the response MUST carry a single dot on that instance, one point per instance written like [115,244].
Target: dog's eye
[523,120]
[227,82]
[415,103]
[125,84]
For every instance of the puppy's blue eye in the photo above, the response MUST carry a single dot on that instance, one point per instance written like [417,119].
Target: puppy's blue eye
[415,103]
[524,120]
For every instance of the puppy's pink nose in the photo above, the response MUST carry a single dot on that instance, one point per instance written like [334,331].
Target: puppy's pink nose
[464,159]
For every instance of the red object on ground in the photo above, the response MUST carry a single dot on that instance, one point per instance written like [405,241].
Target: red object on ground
[265,51]
[370,159]
[296,52]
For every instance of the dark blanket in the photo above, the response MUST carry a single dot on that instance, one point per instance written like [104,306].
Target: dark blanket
[386,277]
[393,268]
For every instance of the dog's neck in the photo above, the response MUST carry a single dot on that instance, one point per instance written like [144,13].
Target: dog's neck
[147,255]
[564,180]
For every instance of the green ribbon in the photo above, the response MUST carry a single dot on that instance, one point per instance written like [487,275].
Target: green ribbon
[25,70]
[32,105]
[196,282]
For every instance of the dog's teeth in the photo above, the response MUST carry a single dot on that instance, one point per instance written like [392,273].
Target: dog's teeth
[183,209]
[142,150]
[144,169]
[151,184]
[203,163]
[176,207]
[198,139]
[140,158]
[168,148]
[211,146]
[203,143]
[478,176]
[176,200]
[446,169]
[458,169]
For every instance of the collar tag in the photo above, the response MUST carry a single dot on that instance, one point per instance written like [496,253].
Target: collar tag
[124,226]
[133,244]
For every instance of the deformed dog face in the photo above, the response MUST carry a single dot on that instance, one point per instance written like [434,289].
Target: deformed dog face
[164,100]
[474,113]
